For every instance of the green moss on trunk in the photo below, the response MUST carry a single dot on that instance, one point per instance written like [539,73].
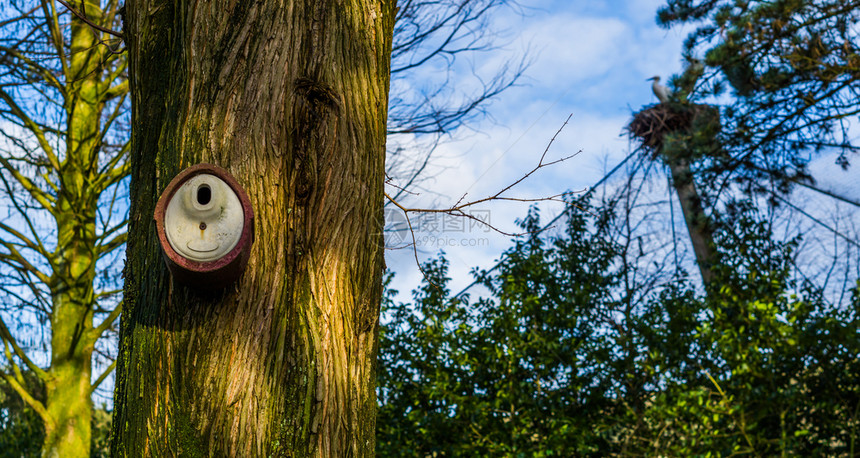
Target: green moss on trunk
[67,385]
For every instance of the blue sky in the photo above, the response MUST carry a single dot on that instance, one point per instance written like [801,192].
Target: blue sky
[589,60]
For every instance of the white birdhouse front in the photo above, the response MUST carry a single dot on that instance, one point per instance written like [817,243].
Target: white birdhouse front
[205,227]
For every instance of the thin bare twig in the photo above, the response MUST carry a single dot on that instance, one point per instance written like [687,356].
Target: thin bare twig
[458,209]
[90,23]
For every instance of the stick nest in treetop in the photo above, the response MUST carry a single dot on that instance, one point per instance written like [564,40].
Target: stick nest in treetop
[655,122]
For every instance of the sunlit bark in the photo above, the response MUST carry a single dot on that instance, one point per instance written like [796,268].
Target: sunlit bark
[291,98]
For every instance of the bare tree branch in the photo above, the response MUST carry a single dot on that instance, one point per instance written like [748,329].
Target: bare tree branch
[8,339]
[90,23]
[104,375]
[458,209]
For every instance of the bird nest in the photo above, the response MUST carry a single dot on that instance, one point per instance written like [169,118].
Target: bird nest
[652,124]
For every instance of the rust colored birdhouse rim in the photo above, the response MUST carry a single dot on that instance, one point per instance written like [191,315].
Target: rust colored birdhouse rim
[245,239]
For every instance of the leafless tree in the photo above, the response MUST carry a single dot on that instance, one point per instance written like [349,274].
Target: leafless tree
[63,148]
[434,43]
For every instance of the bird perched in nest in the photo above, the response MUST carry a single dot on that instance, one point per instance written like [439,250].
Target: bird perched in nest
[662,92]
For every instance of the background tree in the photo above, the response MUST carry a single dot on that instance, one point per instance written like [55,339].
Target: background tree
[62,99]
[678,134]
[281,363]
[792,66]
[582,350]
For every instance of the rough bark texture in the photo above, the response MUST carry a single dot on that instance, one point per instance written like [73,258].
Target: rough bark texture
[291,98]
[694,216]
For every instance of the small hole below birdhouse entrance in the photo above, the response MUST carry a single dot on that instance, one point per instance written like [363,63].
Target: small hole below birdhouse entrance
[204,194]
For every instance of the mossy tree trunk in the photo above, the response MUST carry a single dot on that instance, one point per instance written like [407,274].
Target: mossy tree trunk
[67,387]
[77,77]
[291,98]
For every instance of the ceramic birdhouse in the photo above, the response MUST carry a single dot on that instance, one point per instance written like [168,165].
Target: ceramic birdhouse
[205,226]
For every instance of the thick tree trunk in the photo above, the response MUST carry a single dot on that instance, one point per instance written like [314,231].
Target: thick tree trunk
[67,387]
[694,216]
[291,98]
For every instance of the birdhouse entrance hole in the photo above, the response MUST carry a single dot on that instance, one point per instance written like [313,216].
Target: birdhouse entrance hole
[204,194]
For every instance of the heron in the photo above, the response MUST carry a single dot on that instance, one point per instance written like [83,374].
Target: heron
[662,92]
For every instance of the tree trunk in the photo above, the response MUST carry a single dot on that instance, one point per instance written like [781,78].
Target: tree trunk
[68,400]
[291,98]
[67,387]
[694,216]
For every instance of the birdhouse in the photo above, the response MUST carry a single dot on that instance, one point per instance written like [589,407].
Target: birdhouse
[205,227]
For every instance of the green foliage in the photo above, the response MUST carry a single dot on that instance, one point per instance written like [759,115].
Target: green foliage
[100,439]
[776,363]
[21,428]
[578,353]
[793,67]
[497,377]
[424,371]
[22,431]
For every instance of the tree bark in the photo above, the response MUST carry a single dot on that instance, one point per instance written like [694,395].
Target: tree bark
[290,97]
[694,216]
[67,385]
